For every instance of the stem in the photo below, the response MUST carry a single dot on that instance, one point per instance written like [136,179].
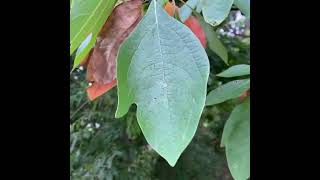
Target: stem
[80,107]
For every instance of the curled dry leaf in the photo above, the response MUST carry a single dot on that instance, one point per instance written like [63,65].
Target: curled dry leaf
[101,61]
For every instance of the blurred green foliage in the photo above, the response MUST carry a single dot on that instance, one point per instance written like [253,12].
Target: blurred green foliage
[105,148]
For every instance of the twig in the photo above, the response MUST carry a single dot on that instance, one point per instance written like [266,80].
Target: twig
[80,107]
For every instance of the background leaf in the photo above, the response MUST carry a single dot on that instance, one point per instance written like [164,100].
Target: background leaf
[83,50]
[186,10]
[236,138]
[214,42]
[215,11]
[237,70]
[244,6]
[191,22]
[87,17]
[158,58]
[227,91]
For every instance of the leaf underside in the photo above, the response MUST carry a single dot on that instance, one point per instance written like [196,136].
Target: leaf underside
[163,69]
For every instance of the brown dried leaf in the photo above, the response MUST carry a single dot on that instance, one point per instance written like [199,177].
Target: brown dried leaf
[101,67]
[97,90]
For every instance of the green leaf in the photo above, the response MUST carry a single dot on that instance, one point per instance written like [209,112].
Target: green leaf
[244,6]
[237,70]
[214,42]
[186,10]
[215,11]
[227,91]
[199,7]
[83,50]
[87,17]
[163,69]
[236,138]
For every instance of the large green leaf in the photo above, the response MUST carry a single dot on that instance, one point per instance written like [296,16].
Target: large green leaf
[215,11]
[227,91]
[236,138]
[186,10]
[237,70]
[87,16]
[214,42]
[244,6]
[163,69]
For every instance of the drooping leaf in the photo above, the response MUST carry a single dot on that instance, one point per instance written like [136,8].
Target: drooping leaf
[227,91]
[164,70]
[87,17]
[102,62]
[244,6]
[237,70]
[236,139]
[214,42]
[96,90]
[186,10]
[215,11]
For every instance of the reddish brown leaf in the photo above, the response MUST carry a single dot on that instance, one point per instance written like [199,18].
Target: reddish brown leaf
[101,67]
[194,25]
[97,90]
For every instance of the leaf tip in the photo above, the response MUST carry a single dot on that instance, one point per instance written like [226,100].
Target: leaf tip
[172,160]
[172,163]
